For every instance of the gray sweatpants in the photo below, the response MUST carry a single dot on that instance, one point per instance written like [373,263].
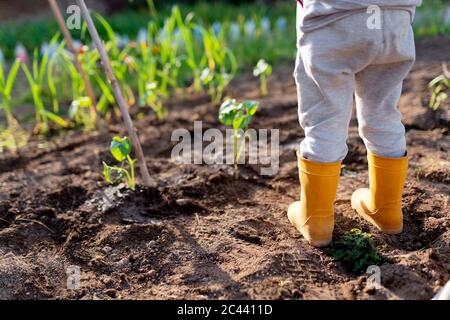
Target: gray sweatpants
[347,63]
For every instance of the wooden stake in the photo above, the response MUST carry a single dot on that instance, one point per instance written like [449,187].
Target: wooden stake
[148,181]
[87,83]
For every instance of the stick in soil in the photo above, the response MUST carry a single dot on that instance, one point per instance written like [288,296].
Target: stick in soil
[87,83]
[148,181]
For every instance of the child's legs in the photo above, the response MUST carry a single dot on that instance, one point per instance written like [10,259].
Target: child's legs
[327,61]
[378,91]
[324,116]
[379,86]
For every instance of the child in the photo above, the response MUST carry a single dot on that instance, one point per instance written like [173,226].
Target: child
[351,51]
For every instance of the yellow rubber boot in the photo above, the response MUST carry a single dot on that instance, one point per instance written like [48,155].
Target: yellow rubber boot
[313,215]
[381,205]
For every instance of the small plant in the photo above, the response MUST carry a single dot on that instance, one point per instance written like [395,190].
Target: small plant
[6,85]
[238,116]
[356,250]
[13,136]
[192,57]
[154,100]
[35,79]
[79,112]
[146,64]
[221,62]
[169,44]
[120,149]
[216,83]
[57,56]
[438,87]
[263,70]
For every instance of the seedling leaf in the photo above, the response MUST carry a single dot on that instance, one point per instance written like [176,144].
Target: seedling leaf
[120,148]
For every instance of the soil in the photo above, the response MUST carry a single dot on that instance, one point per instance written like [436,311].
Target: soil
[201,234]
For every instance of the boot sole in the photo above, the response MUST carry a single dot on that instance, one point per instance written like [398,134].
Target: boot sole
[317,243]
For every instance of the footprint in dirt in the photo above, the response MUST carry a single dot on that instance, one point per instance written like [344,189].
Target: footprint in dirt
[255,231]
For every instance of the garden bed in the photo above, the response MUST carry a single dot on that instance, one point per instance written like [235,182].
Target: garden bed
[201,233]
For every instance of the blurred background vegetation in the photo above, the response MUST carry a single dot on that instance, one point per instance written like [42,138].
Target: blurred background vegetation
[31,23]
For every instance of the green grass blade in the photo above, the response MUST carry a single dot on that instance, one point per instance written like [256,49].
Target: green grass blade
[2,75]
[55,118]
[12,77]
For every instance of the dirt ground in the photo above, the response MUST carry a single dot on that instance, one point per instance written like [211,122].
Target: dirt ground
[204,235]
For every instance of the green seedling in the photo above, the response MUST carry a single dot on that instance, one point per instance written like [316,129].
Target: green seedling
[58,59]
[64,61]
[238,116]
[6,85]
[13,136]
[120,149]
[439,87]
[79,113]
[216,84]
[154,101]
[78,89]
[221,64]
[146,64]
[263,70]
[107,96]
[51,81]
[169,51]
[146,73]
[356,250]
[193,58]
[35,79]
